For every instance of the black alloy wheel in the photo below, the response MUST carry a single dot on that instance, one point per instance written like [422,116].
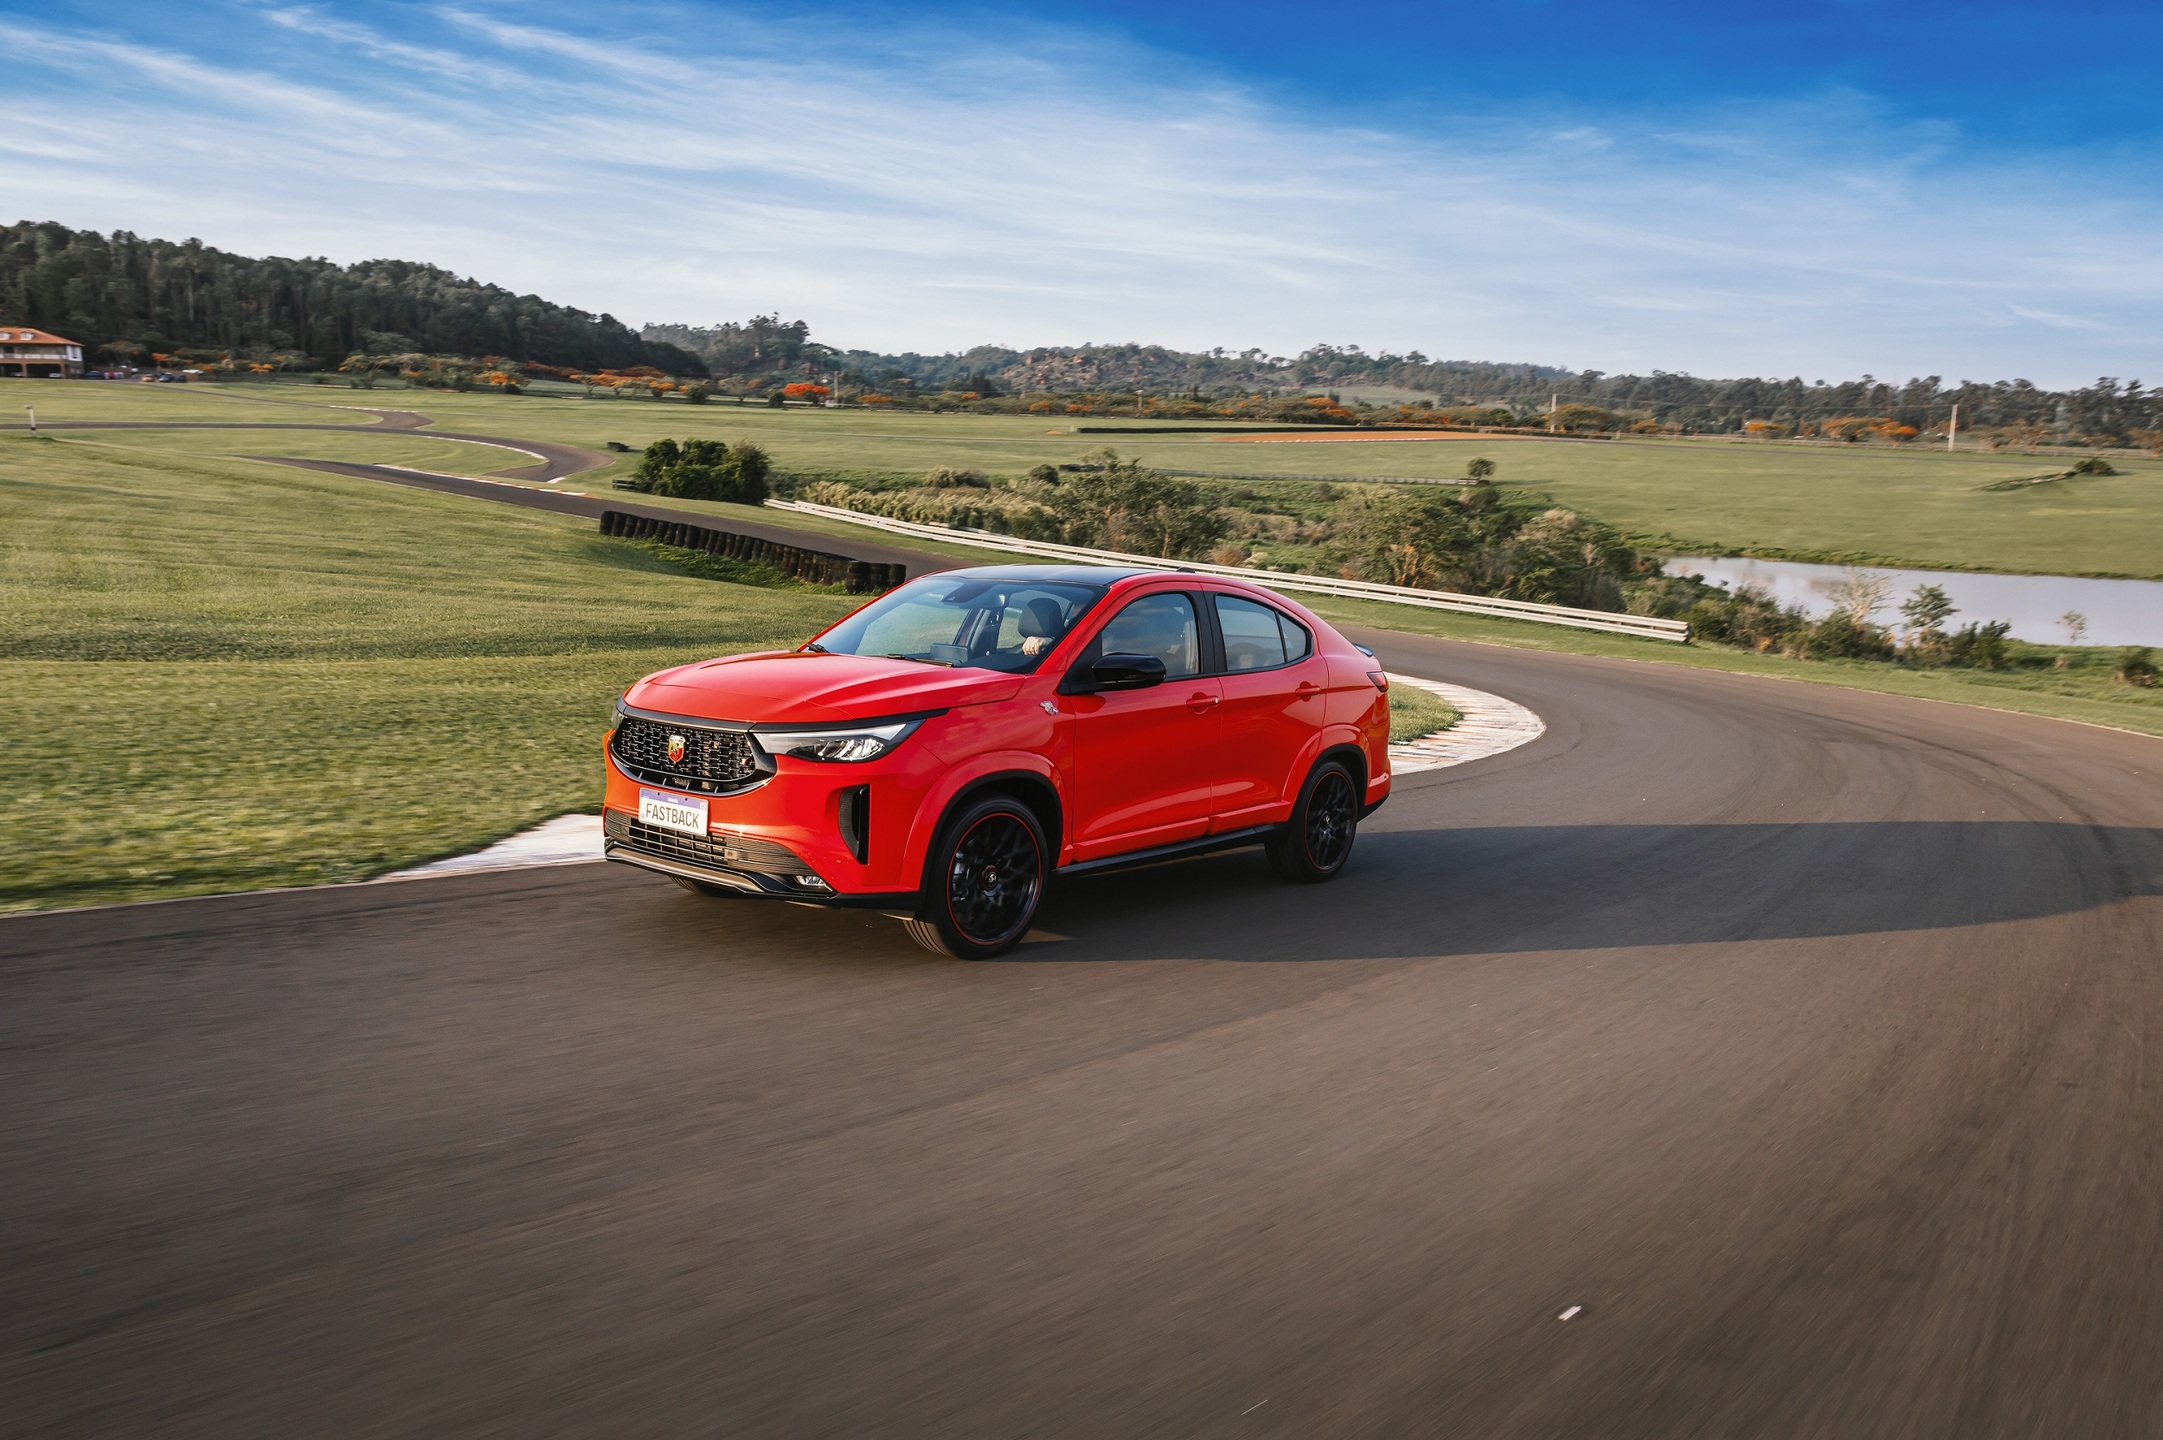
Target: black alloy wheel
[983,880]
[1317,841]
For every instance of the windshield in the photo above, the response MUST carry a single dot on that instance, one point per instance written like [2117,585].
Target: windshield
[1007,625]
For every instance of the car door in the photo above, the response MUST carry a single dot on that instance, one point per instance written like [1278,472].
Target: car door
[1274,688]
[1145,761]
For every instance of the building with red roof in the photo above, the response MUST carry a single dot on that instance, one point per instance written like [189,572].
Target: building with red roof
[29,353]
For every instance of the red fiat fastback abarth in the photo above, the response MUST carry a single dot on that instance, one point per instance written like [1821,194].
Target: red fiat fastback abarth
[947,749]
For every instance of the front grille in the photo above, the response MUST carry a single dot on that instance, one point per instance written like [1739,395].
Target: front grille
[743,853]
[712,759]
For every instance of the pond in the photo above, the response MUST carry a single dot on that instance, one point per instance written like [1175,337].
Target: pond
[2120,612]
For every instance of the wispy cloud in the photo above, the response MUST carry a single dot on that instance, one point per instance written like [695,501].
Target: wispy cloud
[312,21]
[934,188]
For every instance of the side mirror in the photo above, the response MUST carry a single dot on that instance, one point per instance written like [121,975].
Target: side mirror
[1116,672]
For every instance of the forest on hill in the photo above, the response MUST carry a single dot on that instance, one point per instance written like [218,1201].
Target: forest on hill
[125,298]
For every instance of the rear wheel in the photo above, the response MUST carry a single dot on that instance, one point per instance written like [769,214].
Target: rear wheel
[982,881]
[1317,842]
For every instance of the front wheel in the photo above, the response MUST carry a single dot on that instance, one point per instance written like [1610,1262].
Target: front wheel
[982,881]
[1317,842]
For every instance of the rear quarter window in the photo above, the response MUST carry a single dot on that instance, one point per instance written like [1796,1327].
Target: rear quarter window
[1253,639]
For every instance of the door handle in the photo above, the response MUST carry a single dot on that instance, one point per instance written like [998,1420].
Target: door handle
[1307,690]
[1200,701]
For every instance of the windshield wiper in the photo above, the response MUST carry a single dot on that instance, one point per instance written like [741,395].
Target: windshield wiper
[921,660]
[816,648]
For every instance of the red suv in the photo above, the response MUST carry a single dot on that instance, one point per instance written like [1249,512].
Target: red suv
[945,750]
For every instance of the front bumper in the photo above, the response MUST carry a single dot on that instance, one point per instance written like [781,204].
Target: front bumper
[785,836]
[624,844]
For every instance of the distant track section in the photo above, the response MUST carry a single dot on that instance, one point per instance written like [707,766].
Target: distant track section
[1646,626]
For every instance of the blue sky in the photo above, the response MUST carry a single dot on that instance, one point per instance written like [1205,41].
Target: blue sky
[1822,189]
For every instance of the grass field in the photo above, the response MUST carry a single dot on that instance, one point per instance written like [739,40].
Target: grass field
[1860,504]
[217,675]
[121,400]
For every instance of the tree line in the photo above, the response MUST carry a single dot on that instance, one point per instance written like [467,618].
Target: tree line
[124,296]
[127,297]
[1253,384]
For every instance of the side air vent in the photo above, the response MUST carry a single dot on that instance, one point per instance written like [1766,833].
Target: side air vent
[856,822]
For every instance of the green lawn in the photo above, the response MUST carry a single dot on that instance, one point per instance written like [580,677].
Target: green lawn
[122,400]
[216,675]
[1859,503]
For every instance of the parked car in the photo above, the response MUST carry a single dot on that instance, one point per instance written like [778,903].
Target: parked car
[948,749]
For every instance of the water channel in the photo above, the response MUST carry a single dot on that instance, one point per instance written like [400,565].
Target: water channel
[2119,612]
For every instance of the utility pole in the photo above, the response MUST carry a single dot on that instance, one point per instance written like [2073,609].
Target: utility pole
[1953,429]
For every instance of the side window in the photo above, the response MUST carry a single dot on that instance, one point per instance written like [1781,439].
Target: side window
[1298,644]
[1159,625]
[1252,640]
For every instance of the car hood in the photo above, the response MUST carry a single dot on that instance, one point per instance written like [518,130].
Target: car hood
[790,686]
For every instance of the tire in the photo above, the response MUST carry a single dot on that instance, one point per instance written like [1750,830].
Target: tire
[982,881]
[704,887]
[1317,842]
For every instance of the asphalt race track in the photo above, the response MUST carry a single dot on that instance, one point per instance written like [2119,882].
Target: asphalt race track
[1796,1040]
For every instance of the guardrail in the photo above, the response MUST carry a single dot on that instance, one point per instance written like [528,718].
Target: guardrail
[1643,626]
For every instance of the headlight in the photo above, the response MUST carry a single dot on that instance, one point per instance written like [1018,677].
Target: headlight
[848,744]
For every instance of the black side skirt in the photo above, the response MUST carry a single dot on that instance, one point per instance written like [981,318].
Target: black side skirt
[1232,840]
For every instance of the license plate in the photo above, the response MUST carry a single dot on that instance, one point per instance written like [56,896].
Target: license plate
[672,812]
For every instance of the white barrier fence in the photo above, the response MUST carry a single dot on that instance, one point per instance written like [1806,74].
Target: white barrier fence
[1644,626]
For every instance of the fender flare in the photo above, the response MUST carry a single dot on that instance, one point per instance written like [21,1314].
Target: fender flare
[998,769]
[1330,742]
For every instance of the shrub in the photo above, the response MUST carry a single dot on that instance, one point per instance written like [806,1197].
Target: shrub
[704,470]
[696,394]
[1979,646]
[997,510]
[945,477]
[2137,667]
[1927,609]
[1124,505]
[1840,636]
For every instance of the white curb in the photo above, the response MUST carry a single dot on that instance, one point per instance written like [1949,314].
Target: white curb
[1491,725]
[565,840]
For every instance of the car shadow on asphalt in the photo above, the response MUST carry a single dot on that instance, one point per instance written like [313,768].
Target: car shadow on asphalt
[1581,887]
